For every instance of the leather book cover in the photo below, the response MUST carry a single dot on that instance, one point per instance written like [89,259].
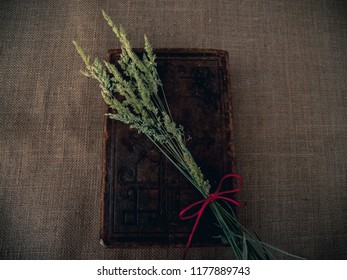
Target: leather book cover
[142,192]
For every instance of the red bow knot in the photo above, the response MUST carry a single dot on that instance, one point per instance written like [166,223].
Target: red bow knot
[211,198]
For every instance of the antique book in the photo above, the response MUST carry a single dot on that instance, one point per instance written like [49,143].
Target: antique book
[142,192]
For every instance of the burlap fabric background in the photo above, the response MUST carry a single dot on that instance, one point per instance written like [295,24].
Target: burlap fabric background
[288,74]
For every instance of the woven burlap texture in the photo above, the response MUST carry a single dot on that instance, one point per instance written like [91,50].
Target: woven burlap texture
[288,81]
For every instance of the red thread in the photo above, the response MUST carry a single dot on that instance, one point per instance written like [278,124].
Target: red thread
[211,198]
